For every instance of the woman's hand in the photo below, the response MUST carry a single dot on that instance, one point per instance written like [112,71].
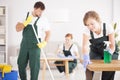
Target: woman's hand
[86,60]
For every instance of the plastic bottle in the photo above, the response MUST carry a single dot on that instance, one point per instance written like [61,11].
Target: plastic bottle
[107,55]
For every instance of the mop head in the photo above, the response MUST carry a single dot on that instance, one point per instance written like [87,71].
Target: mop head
[4,68]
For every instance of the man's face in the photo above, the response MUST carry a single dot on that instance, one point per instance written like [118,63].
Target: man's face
[38,12]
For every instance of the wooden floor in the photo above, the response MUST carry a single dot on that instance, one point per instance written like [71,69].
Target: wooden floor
[77,75]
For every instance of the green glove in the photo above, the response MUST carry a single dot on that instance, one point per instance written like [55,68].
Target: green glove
[42,44]
[26,22]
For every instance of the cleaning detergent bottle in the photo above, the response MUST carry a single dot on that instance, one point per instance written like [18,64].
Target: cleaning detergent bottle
[107,54]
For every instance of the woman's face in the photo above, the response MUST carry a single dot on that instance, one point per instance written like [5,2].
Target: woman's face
[68,40]
[92,24]
[38,12]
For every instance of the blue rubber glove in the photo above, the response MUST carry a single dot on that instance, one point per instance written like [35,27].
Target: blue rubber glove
[86,60]
[109,50]
[60,55]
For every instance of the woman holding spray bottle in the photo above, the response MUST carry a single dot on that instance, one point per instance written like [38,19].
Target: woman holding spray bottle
[96,33]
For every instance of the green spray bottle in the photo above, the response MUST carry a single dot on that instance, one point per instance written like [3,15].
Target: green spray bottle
[107,54]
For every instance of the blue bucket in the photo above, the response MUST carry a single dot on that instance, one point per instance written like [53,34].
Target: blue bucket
[13,75]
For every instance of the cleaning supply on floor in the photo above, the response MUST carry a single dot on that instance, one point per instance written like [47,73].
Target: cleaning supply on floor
[107,54]
[13,75]
[4,68]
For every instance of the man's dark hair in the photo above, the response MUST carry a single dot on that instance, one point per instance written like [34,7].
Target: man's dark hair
[40,5]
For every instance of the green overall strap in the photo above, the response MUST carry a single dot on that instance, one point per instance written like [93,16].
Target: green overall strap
[70,47]
[27,15]
[92,35]
[36,25]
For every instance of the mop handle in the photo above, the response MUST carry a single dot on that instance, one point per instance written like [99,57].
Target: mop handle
[43,54]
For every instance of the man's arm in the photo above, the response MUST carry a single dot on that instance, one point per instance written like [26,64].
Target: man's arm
[21,26]
[43,43]
[47,36]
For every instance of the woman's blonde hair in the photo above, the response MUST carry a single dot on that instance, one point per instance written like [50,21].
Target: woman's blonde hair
[93,15]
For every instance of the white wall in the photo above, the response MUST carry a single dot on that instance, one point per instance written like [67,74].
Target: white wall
[116,11]
[108,9]
[17,10]
[116,18]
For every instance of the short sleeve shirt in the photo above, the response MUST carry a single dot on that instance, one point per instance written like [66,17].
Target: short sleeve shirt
[109,30]
[73,49]
[42,24]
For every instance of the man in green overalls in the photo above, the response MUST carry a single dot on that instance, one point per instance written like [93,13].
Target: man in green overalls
[30,49]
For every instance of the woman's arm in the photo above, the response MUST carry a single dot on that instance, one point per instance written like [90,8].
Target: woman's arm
[59,49]
[85,51]
[77,54]
[75,51]
[85,44]
[59,52]
[112,42]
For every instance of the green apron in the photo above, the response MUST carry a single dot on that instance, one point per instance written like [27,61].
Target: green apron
[29,52]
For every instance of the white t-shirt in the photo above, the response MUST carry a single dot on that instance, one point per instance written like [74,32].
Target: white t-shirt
[73,49]
[42,25]
[109,30]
